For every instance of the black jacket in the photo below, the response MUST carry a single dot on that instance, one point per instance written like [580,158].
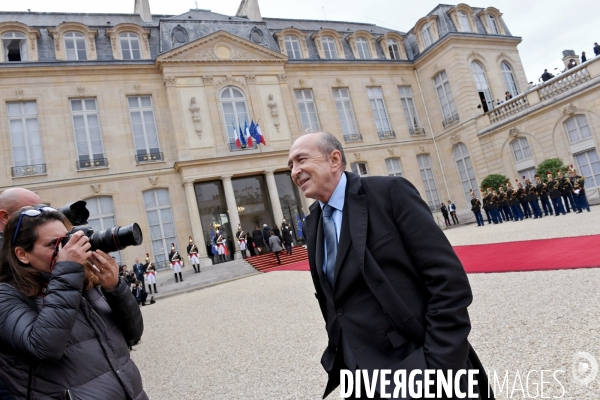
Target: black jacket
[258,239]
[400,293]
[69,341]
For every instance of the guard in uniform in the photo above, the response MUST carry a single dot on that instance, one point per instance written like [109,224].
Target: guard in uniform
[554,192]
[150,275]
[542,191]
[578,183]
[532,198]
[513,202]
[476,208]
[566,191]
[222,251]
[175,259]
[486,204]
[522,197]
[493,204]
[240,235]
[192,251]
[503,204]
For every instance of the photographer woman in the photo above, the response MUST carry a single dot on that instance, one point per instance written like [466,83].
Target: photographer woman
[65,316]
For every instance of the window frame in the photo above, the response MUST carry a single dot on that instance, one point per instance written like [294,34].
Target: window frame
[391,169]
[358,167]
[524,150]
[447,103]
[379,112]
[405,99]
[148,154]
[101,217]
[493,26]
[463,19]
[166,242]
[576,118]
[427,35]
[363,44]
[97,162]
[509,78]
[291,40]
[72,35]
[429,182]
[394,53]
[234,100]
[23,45]
[23,117]
[593,178]
[303,105]
[482,86]
[348,124]
[466,171]
[130,39]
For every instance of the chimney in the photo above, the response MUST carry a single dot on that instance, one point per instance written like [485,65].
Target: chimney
[142,7]
[250,10]
[569,55]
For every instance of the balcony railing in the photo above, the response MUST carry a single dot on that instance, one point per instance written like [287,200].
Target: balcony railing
[508,108]
[386,135]
[152,157]
[416,131]
[26,170]
[450,120]
[565,81]
[355,137]
[96,163]
[233,147]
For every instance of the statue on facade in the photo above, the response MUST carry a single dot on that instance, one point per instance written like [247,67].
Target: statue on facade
[272,104]
[195,109]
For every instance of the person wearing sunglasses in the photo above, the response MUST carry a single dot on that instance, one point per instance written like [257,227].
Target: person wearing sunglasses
[65,316]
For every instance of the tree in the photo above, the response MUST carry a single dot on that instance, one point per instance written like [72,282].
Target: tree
[552,165]
[493,181]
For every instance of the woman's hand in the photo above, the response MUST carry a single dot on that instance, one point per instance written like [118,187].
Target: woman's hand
[76,250]
[106,269]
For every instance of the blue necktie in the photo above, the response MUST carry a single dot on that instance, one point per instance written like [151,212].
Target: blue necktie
[331,243]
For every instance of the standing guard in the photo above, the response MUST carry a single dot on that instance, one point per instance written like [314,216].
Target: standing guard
[566,191]
[150,275]
[476,208]
[503,204]
[555,196]
[240,235]
[221,247]
[192,251]
[542,191]
[578,183]
[522,196]
[532,198]
[513,202]
[493,204]
[486,204]
[175,259]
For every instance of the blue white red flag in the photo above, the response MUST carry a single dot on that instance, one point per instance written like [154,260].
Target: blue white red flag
[248,134]
[238,143]
[260,135]
[242,138]
[213,247]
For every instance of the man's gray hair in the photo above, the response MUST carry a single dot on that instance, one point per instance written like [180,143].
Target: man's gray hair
[328,143]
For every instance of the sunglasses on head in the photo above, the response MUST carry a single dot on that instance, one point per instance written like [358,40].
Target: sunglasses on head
[32,212]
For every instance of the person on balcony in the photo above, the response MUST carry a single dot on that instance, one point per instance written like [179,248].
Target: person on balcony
[546,76]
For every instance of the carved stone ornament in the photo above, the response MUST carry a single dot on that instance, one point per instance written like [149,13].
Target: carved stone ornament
[513,132]
[170,81]
[207,79]
[391,151]
[19,93]
[455,138]
[503,56]
[372,81]
[32,40]
[153,180]
[81,90]
[138,87]
[357,156]
[474,55]
[422,148]
[195,109]
[272,104]
[57,43]
[301,82]
[569,109]
[96,187]
[251,78]
[92,42]
[282,78]
[339,81]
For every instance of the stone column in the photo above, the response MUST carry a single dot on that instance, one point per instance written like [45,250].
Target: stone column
[274,196]
[197,232]
[234,217]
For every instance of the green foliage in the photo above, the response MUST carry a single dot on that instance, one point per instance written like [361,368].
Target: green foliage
[552,165]
[493,181]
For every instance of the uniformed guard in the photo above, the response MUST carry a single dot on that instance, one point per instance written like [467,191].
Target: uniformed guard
[566,191]
[175,259]
[513,202]
[150,275]
[486,203]
[555,196]
[493,204]
[503,204]
[532,198]
[542,191]
[476,208]
[240,235]
[522,197]
[222,251]
[192,251]
[578,183]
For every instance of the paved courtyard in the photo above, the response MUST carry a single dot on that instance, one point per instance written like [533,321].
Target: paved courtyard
[261,337]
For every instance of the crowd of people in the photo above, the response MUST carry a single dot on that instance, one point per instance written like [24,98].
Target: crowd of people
[265,241]
[558,196]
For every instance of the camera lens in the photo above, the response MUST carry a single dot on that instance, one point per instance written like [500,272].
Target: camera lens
[117,238]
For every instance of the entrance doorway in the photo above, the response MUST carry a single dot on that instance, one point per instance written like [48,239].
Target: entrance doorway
[290,205]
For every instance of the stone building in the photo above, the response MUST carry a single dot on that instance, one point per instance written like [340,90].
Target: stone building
[137,113]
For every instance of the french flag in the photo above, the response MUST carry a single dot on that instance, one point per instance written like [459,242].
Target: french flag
[260,135]
[238,144]
[241,136]
[248,134]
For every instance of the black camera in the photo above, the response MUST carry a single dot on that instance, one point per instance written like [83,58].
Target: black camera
[108,240]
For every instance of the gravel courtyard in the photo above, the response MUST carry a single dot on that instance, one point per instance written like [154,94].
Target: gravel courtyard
[262,337]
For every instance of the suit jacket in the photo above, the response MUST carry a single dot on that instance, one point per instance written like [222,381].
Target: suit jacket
[139,270]
[400,293]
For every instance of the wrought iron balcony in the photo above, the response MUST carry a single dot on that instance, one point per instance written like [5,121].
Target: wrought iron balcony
[96,163]
[355,137]
[233,147]
[26,170]
[450,120]
[152,157]
[386,135]
[416,131]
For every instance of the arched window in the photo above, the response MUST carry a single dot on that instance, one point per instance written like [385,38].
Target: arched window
[161,223]
[130,46]
[442,87]
[427,35]
[578,128]
[492,24]
[589,167]
[433,199]
[394,168]
[520,148]
[235,112]
[329,47]
[75,46]
[509,79]
[360,168]
[482,86]
[463,19]
[102,217]
[466,173]
[292,47]
[364,53]
[394,49]
[15,46]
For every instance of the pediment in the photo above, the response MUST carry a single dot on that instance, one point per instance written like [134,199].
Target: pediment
[221,47]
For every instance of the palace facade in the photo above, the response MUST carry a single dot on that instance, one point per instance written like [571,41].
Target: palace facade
[137,113]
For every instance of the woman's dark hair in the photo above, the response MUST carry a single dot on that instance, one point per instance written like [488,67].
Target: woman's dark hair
[22,276]
[271,233]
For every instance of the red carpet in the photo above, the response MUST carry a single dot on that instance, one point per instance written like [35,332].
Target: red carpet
[529,255]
